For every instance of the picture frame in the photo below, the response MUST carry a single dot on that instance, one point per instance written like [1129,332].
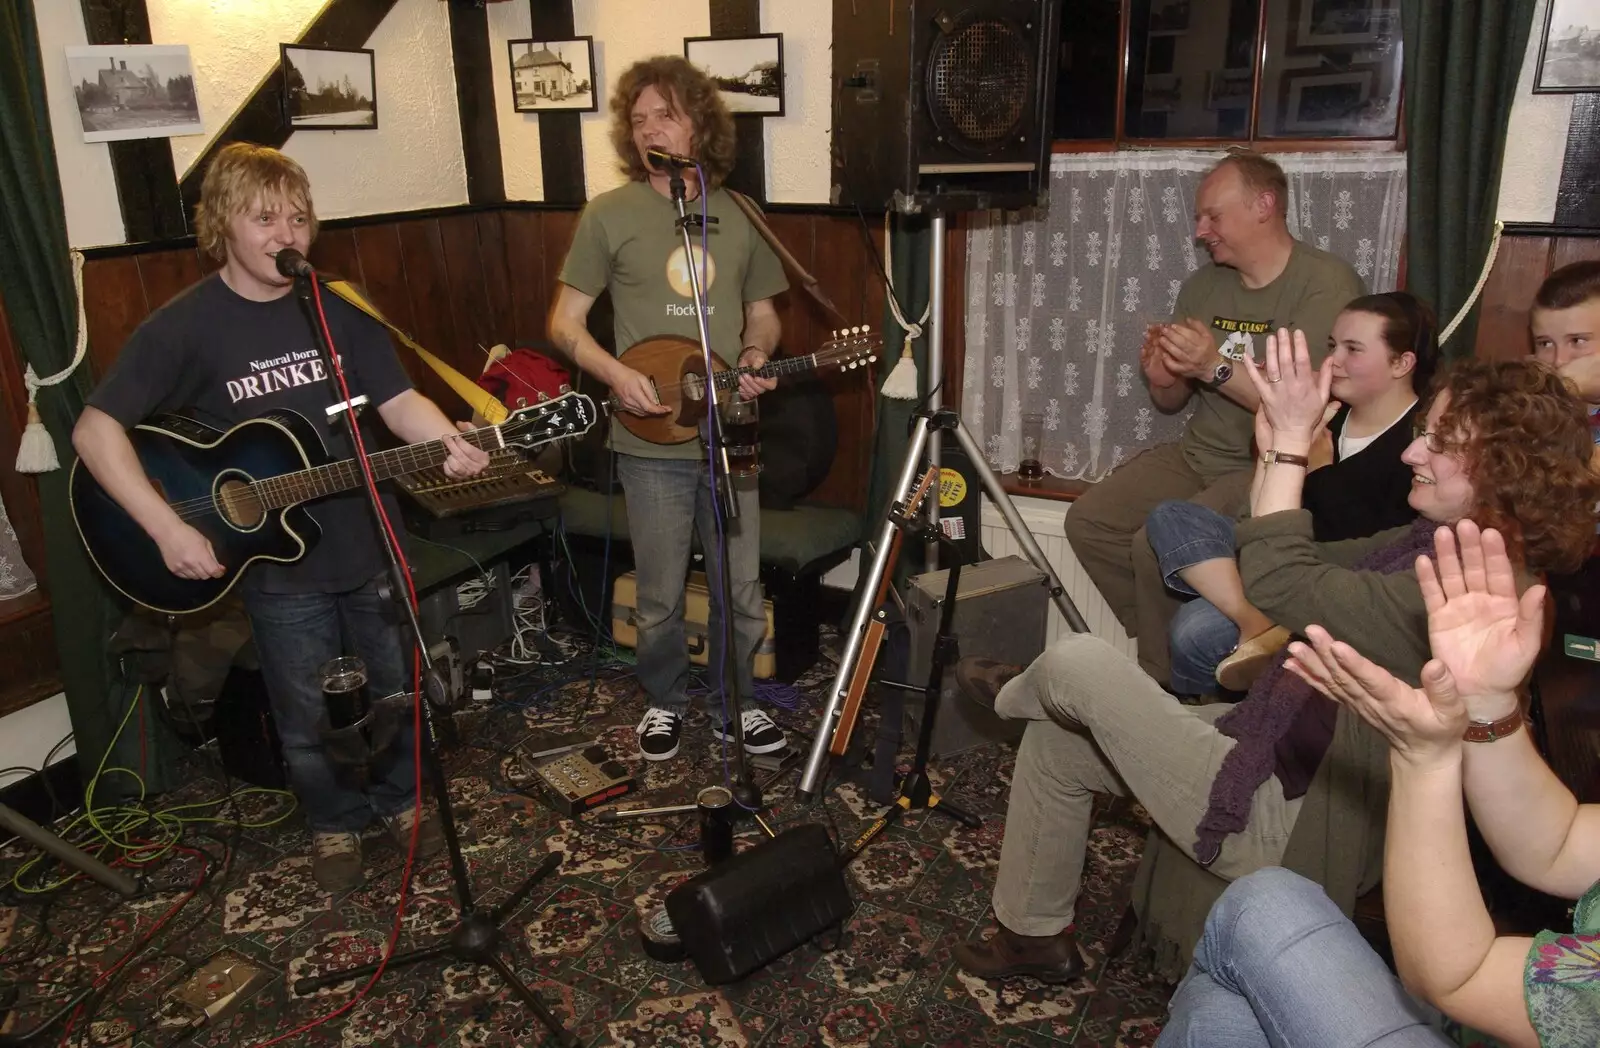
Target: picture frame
[553,76]
[1569,50]
[1320,25]
[1230,88]
[748,70]
[1169,16]
[128,91]
[1326,103]
[329,88]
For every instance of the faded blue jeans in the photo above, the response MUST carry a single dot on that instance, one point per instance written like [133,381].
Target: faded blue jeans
[295,633]
[1182,534]
[669,501]
[1279,966]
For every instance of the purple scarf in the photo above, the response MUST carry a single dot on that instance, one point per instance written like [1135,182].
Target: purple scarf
[1267,713]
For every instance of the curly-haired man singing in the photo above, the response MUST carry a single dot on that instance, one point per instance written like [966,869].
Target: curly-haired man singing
[627,242]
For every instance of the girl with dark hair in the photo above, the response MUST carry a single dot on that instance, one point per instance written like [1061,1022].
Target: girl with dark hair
[1383,351]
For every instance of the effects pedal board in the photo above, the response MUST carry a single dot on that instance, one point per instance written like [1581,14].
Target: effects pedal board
[580,780]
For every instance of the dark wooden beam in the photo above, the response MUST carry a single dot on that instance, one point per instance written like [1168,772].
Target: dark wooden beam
[147,182]
[480,130]
[560,134]
[343,23]
[1577,203]
[749,175]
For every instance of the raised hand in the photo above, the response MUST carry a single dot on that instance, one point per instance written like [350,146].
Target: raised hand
[1477,625]
[1423,725]
[1294,395]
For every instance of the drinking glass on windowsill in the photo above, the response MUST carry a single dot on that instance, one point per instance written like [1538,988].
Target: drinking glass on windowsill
[1031,469]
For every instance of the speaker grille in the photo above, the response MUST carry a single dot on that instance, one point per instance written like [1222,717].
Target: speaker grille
[980,77]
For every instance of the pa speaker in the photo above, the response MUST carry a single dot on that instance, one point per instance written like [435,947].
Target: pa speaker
[943,105]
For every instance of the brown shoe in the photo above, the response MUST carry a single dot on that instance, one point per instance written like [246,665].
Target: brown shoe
[981,679]
[336,860]
[1240,670]
[430,838]
[1048,958]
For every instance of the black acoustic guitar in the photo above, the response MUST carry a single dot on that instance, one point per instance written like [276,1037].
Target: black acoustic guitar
[242,489]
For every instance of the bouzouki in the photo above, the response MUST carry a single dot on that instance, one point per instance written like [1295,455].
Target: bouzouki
[873,639]
[242,489]
[676,370]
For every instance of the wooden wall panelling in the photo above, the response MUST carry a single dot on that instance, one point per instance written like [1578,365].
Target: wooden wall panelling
[383,274]
[114,304]
[529,272]
[1519,269]
[1567,250]
[476,326]
[427,280]
[496,281]
[166,273]
[336,255]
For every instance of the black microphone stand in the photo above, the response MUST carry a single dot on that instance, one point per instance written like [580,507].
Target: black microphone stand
[476,938]
[746,794]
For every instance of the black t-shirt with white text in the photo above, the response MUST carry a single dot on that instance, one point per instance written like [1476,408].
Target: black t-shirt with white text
[223,359]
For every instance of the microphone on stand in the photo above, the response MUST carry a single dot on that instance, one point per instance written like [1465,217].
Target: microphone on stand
[292,263]
[663,159]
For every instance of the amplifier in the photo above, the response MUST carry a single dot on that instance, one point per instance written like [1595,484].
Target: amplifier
[1001,612]
[696,616]
[749,910]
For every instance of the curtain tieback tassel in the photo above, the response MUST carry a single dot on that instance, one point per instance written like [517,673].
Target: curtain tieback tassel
[36,453]
[902,381]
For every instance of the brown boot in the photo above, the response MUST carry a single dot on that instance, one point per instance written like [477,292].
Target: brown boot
[1239,670]
[1048,958]
[980,679]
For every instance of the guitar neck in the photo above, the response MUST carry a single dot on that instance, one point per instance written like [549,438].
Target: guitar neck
[289,489]
[772,369]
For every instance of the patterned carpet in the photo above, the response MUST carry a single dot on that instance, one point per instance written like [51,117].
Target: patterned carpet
[920,889]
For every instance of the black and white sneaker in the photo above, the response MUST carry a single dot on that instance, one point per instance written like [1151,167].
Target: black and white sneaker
[760,734]
[658,733]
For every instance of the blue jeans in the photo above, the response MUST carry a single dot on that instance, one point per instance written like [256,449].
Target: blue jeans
[1183,534]
[669,501]
[1280,966]
[295,633]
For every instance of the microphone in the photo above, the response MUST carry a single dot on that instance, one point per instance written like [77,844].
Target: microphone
[662,158]
[292,263]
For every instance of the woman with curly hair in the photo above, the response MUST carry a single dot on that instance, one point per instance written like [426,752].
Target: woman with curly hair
[628,243]
[1285,777]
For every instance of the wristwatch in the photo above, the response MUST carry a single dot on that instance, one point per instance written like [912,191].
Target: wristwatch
[1493,731]
[1221,375]
[1269,457]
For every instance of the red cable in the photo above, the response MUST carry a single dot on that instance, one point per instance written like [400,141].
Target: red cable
[416,698]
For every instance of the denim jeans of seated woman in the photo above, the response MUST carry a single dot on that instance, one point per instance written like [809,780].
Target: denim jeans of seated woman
[1183,534]
[295,633]
[1279,966]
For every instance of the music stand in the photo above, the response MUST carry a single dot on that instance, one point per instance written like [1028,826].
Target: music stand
[476,938]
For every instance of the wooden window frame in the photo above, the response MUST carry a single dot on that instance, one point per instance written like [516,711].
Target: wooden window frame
[1395,143]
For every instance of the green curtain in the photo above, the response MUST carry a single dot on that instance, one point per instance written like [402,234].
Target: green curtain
[909,242]
[36,285]
[1462,60]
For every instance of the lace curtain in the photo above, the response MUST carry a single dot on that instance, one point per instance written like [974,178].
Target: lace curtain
[1058,301]
[15,578]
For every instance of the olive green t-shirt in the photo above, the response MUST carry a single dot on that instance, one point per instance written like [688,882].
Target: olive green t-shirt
[628,241]
[1308,295]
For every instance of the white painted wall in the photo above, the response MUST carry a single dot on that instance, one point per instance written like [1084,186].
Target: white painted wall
[88,189]
[27,736]
[413,160]
[1536,143]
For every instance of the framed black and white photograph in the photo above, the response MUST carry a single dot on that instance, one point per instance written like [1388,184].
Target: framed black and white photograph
[1332,104]
[553,76]
[748,70]
[1317,25]
[1569,54]
[128,91]
[328,89]
[1229,88]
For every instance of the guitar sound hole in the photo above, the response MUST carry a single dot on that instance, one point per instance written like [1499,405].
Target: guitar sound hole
[694,387]
[240,505]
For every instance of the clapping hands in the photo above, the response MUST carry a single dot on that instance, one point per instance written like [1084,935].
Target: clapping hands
[1294,395]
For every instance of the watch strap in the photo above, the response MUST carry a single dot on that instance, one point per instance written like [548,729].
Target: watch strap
[1286,458]
[1491,731]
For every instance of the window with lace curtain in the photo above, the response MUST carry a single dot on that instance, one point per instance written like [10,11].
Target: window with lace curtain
[15,577]
[1058,299]
[1233,70]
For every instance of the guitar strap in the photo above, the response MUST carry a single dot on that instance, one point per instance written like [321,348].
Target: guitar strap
[789,262]
[480,399]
